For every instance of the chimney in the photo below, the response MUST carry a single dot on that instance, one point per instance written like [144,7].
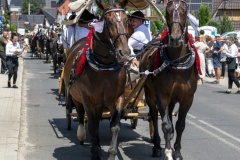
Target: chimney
[14,15]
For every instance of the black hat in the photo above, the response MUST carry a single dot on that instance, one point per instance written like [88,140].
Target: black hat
[138,14]
[86,17]
[72,16]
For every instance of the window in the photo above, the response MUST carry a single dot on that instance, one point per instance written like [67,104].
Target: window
[53,4]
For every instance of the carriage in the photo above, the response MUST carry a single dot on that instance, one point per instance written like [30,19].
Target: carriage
[87,91]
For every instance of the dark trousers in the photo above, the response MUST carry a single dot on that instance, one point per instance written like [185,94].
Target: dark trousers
[3,62]
[232,78]
[12,65]
[223,68]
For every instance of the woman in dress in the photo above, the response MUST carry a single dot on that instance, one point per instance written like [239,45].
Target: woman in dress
[202,48]
[13,51]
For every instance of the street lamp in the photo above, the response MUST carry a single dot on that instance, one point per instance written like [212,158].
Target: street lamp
[29,7]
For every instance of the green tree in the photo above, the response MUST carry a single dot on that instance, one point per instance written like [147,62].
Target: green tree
[153,28]
[225,24]
[193,13]
[35,6]
[214,24]
[204,15]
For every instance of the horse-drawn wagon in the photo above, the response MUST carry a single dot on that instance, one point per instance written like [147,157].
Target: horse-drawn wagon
[97,89]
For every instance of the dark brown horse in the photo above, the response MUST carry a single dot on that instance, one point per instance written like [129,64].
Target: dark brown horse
[173,84]
[93,91]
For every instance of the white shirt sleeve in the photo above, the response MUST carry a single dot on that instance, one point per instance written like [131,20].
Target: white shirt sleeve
[233,51]
[11,49]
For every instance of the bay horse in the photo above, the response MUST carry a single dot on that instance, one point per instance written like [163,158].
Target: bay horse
[175,81]
[94,90]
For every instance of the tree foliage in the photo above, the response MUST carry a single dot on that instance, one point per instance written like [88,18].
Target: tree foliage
[204,15]
[214,24]
[35,6]
[225,24]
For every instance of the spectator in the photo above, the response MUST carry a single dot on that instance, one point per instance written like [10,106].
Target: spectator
[13,51]
[216,58]
[223,56]
[232,65]
[209,60]
[202,48]
[3,43]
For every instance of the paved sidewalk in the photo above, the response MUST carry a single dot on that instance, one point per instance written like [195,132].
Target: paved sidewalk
[10,109]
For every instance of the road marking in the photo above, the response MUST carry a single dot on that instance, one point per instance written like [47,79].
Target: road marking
[221,131]
[192,116]
[213,135]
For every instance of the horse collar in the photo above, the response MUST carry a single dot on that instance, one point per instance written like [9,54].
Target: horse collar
[101,68]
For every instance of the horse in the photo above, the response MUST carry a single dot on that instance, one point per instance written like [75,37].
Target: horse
[94,90]
[175,81]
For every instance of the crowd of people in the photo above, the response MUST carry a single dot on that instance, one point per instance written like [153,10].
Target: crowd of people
[10,51]
[215,54]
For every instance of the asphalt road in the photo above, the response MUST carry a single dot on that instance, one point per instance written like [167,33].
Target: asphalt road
[212,128]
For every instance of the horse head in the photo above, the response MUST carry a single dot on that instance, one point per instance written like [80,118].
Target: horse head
[116,30]
[176,15]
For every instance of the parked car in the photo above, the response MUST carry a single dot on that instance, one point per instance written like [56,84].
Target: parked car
[236,33]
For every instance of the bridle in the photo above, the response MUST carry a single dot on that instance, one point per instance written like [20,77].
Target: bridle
[120,29]
[177,19]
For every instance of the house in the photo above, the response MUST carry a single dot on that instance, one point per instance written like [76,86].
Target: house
[231,8]
[3,7]
[63,10]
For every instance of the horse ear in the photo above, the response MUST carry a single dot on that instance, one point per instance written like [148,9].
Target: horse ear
[99,4]
[123,3]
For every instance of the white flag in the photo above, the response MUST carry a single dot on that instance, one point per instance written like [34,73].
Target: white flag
[193,21]
[98,26]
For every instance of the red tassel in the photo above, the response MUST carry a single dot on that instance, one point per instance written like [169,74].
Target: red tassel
[83,57]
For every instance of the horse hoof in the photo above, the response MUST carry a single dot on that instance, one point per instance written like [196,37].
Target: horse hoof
[177,156]
[156,152]
[95,158]
[111,157]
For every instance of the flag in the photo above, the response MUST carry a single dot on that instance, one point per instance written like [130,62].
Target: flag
[193,21]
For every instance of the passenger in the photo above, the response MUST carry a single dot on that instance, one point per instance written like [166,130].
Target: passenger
[13,51]
[83,28]
[67,34]
[138,39]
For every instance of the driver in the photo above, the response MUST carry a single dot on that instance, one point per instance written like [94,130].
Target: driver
[138,39]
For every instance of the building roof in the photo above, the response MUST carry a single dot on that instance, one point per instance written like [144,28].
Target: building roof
[50,14]
[230,5]
[5,4]
[16,3]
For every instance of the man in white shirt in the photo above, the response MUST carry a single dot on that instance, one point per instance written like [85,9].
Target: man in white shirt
[67,34]
[83,28]
[140,37]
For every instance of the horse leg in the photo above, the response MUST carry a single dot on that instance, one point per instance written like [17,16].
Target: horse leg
[94,117]
[150,100]
[167,128]
[180,126]
[115,127]
[171,108]
[81,132]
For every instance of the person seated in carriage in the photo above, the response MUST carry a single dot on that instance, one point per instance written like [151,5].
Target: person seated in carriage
[138,39]
[83,28]
[67,34]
